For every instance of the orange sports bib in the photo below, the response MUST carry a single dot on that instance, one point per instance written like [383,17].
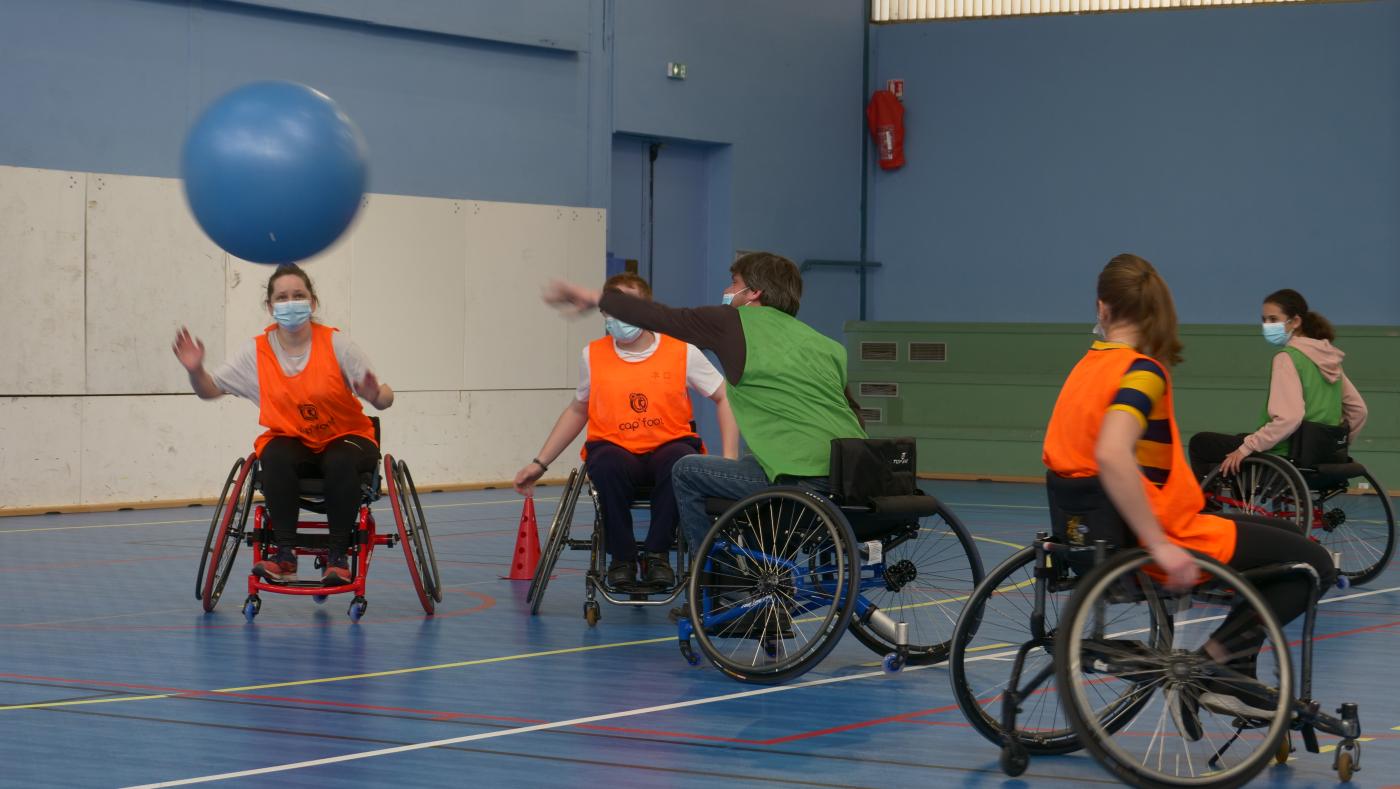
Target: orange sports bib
[314,406]
[638,405]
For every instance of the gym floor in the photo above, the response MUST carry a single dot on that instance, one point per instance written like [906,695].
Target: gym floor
[114,676]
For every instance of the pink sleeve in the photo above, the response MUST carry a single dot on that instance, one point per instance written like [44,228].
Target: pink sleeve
[1353,408]
[1285,407]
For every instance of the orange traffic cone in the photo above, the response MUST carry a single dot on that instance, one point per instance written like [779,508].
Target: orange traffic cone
[527,545]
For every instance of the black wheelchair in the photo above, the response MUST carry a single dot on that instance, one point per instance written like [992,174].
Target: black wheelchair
[1318,486]
[1071,643]
[784,572]
[596,578]
[229,529]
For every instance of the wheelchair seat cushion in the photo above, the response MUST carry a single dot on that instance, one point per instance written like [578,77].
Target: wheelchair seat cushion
[1328,475]
[864,468]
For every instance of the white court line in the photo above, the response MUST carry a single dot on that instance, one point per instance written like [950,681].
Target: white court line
[612,715]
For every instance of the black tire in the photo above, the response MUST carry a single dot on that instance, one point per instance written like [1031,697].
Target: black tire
[556,542]
[786,557]
[1360,526]
[1096,647]
[413,534]
[1265,485]
[221,547]
[994,622]
[930,572]
[214,527]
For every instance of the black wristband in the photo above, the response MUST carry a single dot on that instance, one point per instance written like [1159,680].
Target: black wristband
[539,463]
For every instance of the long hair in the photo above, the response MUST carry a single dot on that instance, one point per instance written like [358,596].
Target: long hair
[1134,292]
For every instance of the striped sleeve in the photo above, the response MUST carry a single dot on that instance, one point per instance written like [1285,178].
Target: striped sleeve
[1140,391]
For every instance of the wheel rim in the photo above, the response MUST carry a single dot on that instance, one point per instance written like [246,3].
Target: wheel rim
[214,524]
[1119,641]
[403,514]
[231,531]
[1360,526]
[554,544]
[1263,486]
[775,583]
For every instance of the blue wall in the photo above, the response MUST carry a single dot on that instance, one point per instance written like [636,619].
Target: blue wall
[779,82]
[112,85]
[1241,150]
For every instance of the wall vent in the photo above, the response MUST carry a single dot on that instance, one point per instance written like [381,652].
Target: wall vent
[879,390]
[879,351]
[872,416]
[928,351]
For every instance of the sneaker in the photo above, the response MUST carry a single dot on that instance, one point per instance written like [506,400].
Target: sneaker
[1125,659]
[337,570]
[658,570]
[622,572]
[1248,700]
[278,568]
[1185,712]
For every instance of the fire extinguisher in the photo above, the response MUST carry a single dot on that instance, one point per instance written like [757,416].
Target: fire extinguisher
[885,115]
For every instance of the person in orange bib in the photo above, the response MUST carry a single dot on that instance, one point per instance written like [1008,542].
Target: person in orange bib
[305,378]
[1114,420]
[632,396]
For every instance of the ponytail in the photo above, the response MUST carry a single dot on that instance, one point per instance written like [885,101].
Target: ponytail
[1133,291]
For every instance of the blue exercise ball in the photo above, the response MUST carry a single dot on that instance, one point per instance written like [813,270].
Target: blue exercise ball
[274,171]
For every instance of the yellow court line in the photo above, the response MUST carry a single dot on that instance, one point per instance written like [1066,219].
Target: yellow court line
[324,680]
[1016,545]
[1333,747]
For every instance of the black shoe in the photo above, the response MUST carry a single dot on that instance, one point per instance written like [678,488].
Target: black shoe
[622,572]
[1125,659]
[658,571]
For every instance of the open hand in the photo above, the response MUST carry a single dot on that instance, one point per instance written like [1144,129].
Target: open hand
[1231,464]
[189,350]
[569,297]
[368,387]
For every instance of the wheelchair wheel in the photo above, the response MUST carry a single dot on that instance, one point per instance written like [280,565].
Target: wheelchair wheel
[1183,732]
[994,623]
[773,585]
[1357,524]
[226,531]
[930,570]
[1264,485]
[555,543]
[413,533]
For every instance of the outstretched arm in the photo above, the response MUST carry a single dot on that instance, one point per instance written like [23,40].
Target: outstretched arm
[190,351]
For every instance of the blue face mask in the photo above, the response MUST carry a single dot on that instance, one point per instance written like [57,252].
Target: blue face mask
[1276,334]
[728,298]
[622,332]
[292,314]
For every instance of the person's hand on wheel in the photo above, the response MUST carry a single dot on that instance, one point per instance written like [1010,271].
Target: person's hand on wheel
[1179,565]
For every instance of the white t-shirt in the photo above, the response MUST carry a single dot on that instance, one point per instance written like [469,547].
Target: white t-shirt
[700,375]
[238,375]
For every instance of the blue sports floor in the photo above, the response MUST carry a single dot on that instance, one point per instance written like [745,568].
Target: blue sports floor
[111,675]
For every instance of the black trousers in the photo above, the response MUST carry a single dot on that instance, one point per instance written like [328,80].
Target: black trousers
[286,460]
[1206,450]
[617,473]
[1265,541]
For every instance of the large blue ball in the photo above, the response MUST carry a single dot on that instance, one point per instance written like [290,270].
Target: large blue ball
[274,171]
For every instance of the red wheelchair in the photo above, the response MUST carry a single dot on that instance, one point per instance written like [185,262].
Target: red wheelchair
[229,529]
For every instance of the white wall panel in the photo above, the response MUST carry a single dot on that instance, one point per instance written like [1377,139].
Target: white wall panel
[146,448]
[506,428]
[406,291]
[40,450]
[150,269]
[41,303]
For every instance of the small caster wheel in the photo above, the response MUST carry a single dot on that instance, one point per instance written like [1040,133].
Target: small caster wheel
[689,654]
[252,606]
[1285,749]
[892,663]
[1343,582]
[1014,759]
[319,598]
[1346,766]
[357,608]
[591,613]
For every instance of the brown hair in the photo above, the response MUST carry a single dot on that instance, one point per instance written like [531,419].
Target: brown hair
[618,281]
[1292,303]
[1133,291]
[776,277]
[295,270]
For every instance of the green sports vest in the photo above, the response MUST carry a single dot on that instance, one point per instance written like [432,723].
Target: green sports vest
[791,399]
[1322,399]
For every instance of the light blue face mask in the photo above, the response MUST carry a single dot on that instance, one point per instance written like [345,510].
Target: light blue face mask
[1276,334]
[728,298]
[621,331]
[292,315]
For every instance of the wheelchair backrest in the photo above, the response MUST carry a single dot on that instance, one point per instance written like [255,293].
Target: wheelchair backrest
[1082,514]
[1314,444]
[865,468]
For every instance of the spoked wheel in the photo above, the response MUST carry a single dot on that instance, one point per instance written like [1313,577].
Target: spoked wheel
[774,585]
[226,531]
[1183,731]
[1264,485]
[413,534]
[992,627]
[1356,523]
[926,574]
[554,544]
